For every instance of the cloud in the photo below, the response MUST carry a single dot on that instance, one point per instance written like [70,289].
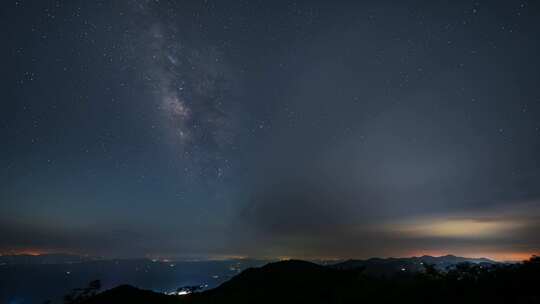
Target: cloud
[110,240]
[458,228]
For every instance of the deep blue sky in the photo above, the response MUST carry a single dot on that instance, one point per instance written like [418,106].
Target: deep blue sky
[257,128]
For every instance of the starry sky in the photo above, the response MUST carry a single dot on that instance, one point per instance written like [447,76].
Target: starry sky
[310,129]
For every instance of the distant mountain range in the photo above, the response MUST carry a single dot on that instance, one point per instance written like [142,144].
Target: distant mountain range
[62,258]
[389,266]
[34,278]
[294,281]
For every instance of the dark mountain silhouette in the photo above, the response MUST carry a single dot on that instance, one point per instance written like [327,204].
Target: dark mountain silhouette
[129,294]
[304,282]
[29,279]
[297,281]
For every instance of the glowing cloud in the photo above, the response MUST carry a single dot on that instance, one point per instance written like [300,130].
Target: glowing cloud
[457,228]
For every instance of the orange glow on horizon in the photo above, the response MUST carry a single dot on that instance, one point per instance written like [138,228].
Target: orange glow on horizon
[32,251]
[496,256]
[24,252]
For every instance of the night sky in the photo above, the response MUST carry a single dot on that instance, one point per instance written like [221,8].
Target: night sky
[327,129]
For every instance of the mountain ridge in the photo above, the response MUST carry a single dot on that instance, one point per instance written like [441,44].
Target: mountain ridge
[296,281]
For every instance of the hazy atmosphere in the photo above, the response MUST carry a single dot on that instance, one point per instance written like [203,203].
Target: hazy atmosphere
[270,129]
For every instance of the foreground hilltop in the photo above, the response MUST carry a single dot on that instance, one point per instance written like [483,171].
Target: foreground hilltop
[304,282]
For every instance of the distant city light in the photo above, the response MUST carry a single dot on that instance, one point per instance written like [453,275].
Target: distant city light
[178,293]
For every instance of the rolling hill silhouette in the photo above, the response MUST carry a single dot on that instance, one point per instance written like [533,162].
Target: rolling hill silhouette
[297,281]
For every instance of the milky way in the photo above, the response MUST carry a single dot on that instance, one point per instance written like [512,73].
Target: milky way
[305,129]
[191,83]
